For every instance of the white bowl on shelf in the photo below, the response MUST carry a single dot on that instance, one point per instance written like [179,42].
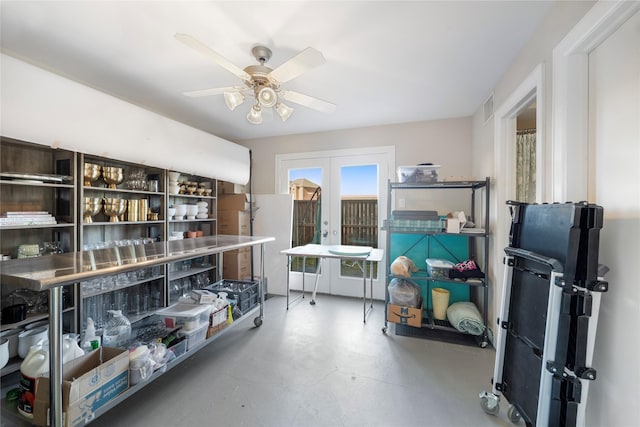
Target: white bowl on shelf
[4,352]
[192,210]
[202,216]
[181,211]
[173,176]
[171,212]
[12,336]
[30,337]
[202,205]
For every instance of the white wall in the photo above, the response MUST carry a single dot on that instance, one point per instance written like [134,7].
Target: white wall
[613,176]
[44,108]
[562,17]
[443,142]
[614,135]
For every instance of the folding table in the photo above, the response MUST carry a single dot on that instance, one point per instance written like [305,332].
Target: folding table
[364,254]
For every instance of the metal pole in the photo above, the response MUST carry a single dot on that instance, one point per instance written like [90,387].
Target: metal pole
[55,357]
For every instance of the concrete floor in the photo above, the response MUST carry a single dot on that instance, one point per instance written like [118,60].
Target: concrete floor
[317,366]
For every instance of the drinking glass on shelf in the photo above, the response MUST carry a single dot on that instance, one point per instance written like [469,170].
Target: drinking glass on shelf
[175,290]
[146,302]
[121,280]
[186,287]
[155,300]
[120,301]
[134,302]
[108,283]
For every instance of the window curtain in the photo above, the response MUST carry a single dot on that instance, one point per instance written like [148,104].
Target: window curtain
[526,167]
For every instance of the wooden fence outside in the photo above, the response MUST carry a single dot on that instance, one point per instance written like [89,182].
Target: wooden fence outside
[359,222]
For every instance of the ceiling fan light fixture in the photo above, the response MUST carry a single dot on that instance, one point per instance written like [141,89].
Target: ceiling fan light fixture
[233,99]
[284,111]
[267,97]
[255,115]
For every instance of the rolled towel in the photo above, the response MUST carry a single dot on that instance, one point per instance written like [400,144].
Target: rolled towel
[465,317]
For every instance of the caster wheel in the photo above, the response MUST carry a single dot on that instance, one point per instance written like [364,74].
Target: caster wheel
[257,321]
[489,405]
[514,415]
[484,344]
[384,329]
[312,302]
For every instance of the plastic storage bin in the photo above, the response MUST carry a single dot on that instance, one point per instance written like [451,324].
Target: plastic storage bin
[422,173]
[194,337]
[179,349]
[189,316]
[439,268]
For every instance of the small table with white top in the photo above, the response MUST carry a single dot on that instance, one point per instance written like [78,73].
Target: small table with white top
[365,255]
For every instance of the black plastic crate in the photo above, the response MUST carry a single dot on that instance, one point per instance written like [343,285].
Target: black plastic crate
[244,292]
[248,304]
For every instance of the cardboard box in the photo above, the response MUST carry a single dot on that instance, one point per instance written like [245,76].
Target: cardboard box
[405,315]
[89,382]
[234,223]
[453,225]
[203,296]
[230,188]
[213,330]
[236,265]
[234,202]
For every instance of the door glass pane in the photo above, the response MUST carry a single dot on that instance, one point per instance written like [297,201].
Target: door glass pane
[304,185]
[358,212]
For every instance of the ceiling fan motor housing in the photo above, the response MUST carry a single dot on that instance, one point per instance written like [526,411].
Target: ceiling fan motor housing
[261,53]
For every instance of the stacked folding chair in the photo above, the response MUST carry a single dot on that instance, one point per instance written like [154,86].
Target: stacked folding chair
[552,285]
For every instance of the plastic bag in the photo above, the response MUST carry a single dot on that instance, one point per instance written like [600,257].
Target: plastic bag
[404,293]
[403,266]
[118,330]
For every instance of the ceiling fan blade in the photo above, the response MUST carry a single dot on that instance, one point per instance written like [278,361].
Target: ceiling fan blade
[213,91]
[216,57]
[299,64]
[308,101]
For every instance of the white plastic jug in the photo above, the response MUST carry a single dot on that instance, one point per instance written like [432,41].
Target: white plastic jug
[70,347]
[34,365]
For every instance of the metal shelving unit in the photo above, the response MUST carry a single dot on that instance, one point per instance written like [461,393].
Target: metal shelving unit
[428,232]
[37,178]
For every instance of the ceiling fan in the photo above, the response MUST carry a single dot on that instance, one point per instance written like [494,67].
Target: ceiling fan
[262,82]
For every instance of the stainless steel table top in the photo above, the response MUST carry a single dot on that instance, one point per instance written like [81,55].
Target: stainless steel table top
[42,273]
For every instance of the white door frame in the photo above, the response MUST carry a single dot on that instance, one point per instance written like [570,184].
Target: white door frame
[504,163]
[570,99]
[387,151]
[570,106]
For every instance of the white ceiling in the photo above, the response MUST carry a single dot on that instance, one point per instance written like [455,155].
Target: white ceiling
[386,61]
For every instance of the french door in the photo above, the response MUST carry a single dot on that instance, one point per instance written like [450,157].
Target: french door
[340,198]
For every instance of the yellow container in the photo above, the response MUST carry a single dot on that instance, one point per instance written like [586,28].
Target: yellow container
[440,300]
